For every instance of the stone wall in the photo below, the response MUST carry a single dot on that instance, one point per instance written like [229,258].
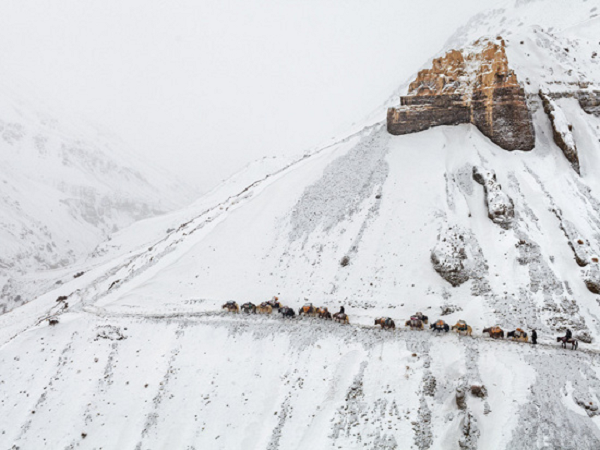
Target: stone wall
[423,112]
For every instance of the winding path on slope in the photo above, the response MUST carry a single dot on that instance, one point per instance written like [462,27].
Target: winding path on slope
[213,317]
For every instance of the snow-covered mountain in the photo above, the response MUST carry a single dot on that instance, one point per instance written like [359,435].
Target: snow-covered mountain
[441,221]
[65,188]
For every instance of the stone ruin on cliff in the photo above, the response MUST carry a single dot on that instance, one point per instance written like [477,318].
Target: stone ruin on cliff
[469,86]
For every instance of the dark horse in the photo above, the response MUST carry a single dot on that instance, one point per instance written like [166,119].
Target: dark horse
[574,343]
[249,308]
[440,326]
[517,335]
[287,312]
[324,313]
[275,303]
[495,332]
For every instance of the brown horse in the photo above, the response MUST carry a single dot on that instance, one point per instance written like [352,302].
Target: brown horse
[574,343]
[495,332]
[308,310]
[341,317]
[462,328]
[386,323]
[264,308]
[323,313]
[231,306]
[414,323]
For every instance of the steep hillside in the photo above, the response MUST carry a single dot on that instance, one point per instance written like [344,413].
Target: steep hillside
[66,188]
[442,221]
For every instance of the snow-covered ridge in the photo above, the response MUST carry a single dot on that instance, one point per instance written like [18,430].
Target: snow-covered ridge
[551,44]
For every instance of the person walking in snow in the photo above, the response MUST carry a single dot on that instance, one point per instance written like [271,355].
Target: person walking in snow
[534,337]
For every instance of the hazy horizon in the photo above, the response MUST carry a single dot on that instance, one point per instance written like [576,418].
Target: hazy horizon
[202,89]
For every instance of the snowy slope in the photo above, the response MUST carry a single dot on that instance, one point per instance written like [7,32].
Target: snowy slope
[186,375]
[66,187]
[551,44]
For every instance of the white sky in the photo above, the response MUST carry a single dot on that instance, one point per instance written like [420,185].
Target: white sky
[204,87]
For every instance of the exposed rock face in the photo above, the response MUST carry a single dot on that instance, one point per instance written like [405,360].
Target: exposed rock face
[561,130]
[460,397]
[474,86]
[588,405]
[470,432]
[590,102]
[449,309]
[479,391]
[584,336]
[501,209]
[591,277]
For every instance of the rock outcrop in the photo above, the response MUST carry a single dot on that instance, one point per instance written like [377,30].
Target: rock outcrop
[469,86]
[591,277]
[582,251]
[501,209]
[461,398]
[470,432]
[561,130]
[448,256]
[590,102]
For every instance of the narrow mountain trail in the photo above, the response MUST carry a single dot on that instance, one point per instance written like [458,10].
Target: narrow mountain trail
[401,332]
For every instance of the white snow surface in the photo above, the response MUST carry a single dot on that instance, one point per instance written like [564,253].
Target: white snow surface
[144,357]
[66,187]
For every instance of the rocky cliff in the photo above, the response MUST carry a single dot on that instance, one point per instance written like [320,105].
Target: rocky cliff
[475,86]
[590,102]
[562,130]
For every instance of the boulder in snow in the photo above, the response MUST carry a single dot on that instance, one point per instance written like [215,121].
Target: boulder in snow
[591,277]
[461,399]
[449,309]
[590,407]
[479,391]
[448,256]
[501,209]
[110,332]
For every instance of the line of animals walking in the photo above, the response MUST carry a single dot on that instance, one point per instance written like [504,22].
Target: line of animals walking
[287,312]
[416,322]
